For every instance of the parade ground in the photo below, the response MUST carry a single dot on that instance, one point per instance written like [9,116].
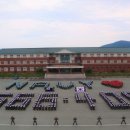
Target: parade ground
[86,118]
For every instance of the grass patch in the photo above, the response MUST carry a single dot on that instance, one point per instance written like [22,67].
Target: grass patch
[26,75]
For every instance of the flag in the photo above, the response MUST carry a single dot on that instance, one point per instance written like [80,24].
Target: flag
[80,89]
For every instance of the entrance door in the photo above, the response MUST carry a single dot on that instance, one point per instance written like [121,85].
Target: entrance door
[65,70]
[53,70]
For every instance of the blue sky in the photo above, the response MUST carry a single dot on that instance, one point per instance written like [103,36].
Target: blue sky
[63,23]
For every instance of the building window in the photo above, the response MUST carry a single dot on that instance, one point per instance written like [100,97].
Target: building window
[11,56]
[6,69]
[5,62]
[105,54]
[111,61]
[77,61]
[18,62]
[115,61]
[12,69]
[44,62]
[37,62]
[128,61]
[18,68]
[31,55]
[65,58]
[119,54]
[84,54]
[92,61]
[2,69]
[31,68]
[41,55]
[24,62]
[18,56]
[102,61]
[45,55]
[2,56]
[111,54]
[124,61]
[41,62]
[24,55]
[88,61]
[98,54]
[37,55]
[11,62]
[118,61]
[124,54]
[91,54]
[5,56]
[2,62]
[84,61]
[24,68]
[105,61]
[32,62]
[98,61]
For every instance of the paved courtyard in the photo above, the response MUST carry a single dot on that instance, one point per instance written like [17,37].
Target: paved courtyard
[65,76]
[86,118]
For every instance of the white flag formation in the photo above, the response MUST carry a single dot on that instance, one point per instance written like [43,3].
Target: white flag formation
[80,89]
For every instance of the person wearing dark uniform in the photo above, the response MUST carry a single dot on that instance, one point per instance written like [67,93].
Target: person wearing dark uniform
[123,120]
[34,121]
[12,120]
[75,121]
[99,120]
[56,121]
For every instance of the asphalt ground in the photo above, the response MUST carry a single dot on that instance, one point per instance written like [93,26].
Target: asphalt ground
[86,118]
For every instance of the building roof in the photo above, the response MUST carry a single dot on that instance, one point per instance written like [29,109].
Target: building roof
[59,49]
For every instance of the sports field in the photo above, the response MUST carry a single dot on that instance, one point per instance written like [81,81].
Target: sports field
[86,118]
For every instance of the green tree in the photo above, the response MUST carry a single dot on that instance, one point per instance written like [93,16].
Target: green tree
[39,70]
[89,71]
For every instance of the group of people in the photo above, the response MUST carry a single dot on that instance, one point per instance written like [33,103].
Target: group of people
[13,120]
[57,123]
[56,120]
[123,121]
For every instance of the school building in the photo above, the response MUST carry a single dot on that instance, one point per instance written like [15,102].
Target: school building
[65,59]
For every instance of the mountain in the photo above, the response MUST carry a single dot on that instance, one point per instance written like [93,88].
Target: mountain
[118,44]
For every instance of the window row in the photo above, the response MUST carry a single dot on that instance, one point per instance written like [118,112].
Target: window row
[105,54]
[105,61]
[82,54]
[18,69]
[23,56]
[24,62]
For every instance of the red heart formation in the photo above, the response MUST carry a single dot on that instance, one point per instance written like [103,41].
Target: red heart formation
[113,83]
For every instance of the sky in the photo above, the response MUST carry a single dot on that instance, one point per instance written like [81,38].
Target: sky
[63,23]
